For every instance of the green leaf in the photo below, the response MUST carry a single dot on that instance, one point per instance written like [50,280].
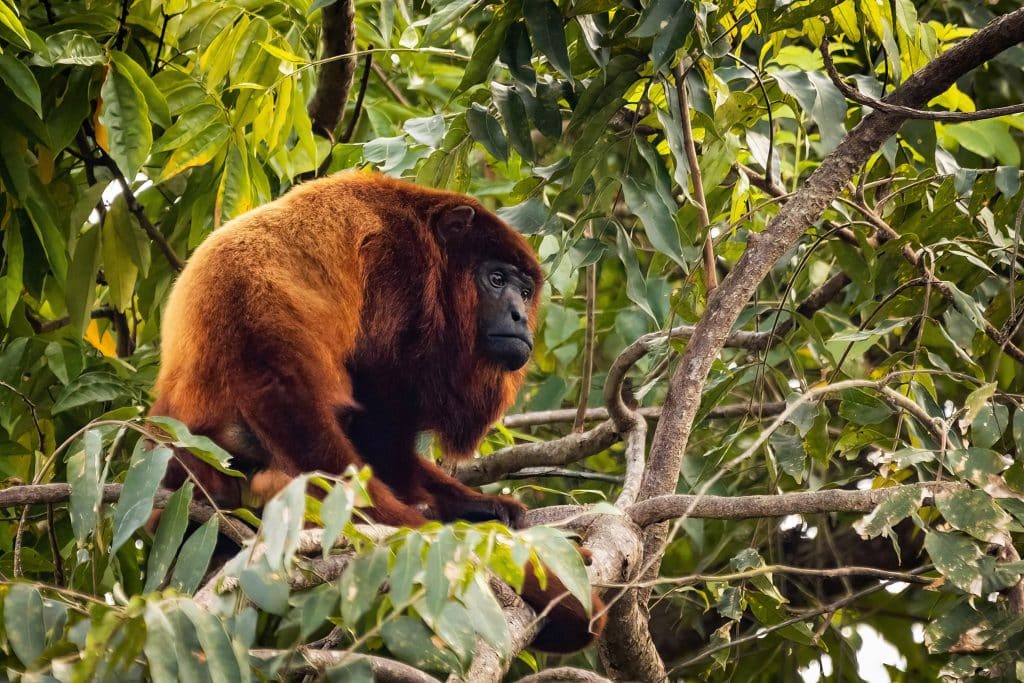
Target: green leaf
[163,663]
[9,19]
[544,110]
[407,569]
[391,154]
[234,193]
[862,408]
[91,387]
[145,473]
[200,446]
[770,613]
[989,424]
[427,131]
[456,628]
[84,468]
[673,37]
[966,305]
[974,512]
[516,54]
[636,284]
[561,557]
[513,113]
[13,279]
[530,217]
[22,83]
[125,115]
[560,323]
[120,270]
[440,554]
[957,557]
[336,512]
[488,618]
[547,29]
[173,523]
[977,400]
[194,557]
[197,151]
[221,661]
[24,621]
[188,126]
[897,507]
[488,46]
[81,285]
[361,583]
[155,99]
[411,641]
[788,449]
[980,466]
[266,586]
[486,130]
[75,47]
[1008,180]
[282,520]
[656,18]
[658,218]
[1018,430]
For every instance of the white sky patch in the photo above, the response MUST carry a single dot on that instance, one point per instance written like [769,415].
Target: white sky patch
[113,191]
[791,522]
[813,672]
[897,587]
[874,653]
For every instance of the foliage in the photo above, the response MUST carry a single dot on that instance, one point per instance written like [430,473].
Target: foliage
[131,130]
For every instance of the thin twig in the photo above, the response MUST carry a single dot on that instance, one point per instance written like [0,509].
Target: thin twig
[588,344]
[357,109]
[908,112]
[703,221]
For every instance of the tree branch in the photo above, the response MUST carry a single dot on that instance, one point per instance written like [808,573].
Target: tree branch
[562,451]
[334,78]
[856,95]
[306,661]
[663,508]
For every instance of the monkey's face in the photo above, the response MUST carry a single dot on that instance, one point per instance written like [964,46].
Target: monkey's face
[503,321]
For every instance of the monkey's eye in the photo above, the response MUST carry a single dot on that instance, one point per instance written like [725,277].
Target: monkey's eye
[526,294]
[497,279]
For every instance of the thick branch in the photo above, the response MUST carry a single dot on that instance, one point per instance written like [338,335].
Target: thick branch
[46,494]
[564,674]
[664,508]
[308,661]
[334,79]
[562,451]
[544,417]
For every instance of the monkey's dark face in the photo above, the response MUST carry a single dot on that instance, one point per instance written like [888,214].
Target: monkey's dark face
[503,324]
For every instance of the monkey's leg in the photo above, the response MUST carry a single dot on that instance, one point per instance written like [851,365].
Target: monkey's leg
[294,420]
[454,500]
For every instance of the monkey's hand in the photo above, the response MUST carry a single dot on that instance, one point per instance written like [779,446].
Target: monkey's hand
[481,508]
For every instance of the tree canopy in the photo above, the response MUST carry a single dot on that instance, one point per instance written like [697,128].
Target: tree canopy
[777,387]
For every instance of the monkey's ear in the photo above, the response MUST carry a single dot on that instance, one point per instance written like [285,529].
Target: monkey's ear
[455,220]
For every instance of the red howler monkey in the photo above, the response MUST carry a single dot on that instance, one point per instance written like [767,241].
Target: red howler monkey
[329,327]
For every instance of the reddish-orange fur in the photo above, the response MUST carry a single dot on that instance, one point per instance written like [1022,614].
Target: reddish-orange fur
[327,329]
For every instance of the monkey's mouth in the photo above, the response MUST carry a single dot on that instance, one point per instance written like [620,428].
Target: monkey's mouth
[512,341]
[510,351]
